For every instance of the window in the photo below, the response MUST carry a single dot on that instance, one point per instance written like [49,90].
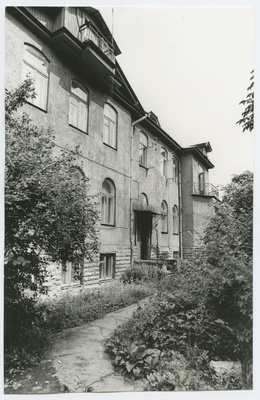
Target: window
[163,161]
[107,266]
[143,201]
[201,179]
[110,126]
[78,109]
[108,203]
[36,67]
[164,217]
[175,220]
[175,169]
[71,273]
[143,144]
[77,176]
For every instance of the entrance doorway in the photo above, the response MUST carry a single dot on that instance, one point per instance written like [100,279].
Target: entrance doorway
[143,234]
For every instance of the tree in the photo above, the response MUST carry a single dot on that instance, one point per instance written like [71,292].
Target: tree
[247,120]
[49,216]
[228,253]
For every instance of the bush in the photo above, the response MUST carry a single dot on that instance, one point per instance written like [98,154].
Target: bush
[170,322]
[143,273]
[38,324]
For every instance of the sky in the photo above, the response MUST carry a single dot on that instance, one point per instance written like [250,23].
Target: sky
[191,66]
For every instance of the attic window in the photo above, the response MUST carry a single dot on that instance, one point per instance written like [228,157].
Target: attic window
[154,118]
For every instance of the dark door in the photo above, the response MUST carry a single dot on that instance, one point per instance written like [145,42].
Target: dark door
[144,222]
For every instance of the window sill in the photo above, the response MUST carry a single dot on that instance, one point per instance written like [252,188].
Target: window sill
[111,147]
[143,166]
[164,233]
[70,285]
[108,225]
[78,129]
[176,234]
[106,280]
[35,106]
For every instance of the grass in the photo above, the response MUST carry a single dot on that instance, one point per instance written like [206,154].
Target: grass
[66,311]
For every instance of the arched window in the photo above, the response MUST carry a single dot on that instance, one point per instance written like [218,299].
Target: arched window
[78,110]
[163,161]
[108,203]
[143,144]
[164,217]
[110,126]
[175,169]
[36,67]
[175,220]
[143,201]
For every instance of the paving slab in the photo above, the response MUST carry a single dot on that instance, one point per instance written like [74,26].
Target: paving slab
[80,361]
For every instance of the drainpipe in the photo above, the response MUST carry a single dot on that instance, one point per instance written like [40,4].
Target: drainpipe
[131,186]
[180,211]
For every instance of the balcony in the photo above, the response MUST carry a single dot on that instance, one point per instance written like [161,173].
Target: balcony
[88,32]
[205,189]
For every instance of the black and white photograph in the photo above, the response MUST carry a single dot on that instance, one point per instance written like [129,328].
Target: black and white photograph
[129,179]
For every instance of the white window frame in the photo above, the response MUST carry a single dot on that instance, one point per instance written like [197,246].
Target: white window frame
[175,220]
[108,204]
[110,126]
[201,180]
[36,67]
[79,103]
[67,274]
[175,168]
[143,145]
[163,161]
[164,217]
[107,266]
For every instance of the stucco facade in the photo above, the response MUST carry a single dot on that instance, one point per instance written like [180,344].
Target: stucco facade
[154,207]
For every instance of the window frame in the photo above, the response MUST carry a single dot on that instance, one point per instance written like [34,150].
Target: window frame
[163,161]
[109,122]
[67,269]
[143,150]
[201,180]
[164,217]
[175,220]
[79,103]
[36,71]
[143,201]
[105,212]
[175,169]
[104,258]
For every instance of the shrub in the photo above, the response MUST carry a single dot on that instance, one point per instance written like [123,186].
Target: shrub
[38,324]
[143,273]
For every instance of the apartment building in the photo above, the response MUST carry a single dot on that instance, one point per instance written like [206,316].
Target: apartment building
[154,195]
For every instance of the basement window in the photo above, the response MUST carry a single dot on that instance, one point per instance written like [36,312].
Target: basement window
[107,266]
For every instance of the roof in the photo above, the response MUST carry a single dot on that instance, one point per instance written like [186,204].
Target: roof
[205,145]
[197,152]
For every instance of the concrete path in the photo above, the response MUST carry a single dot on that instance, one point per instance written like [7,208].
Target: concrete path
[80,361]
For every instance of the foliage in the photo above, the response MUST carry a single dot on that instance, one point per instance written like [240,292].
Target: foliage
[48,213]
[159,344]
[247,120]
[142,273]
[203,311]
[69,311]
[39,323]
